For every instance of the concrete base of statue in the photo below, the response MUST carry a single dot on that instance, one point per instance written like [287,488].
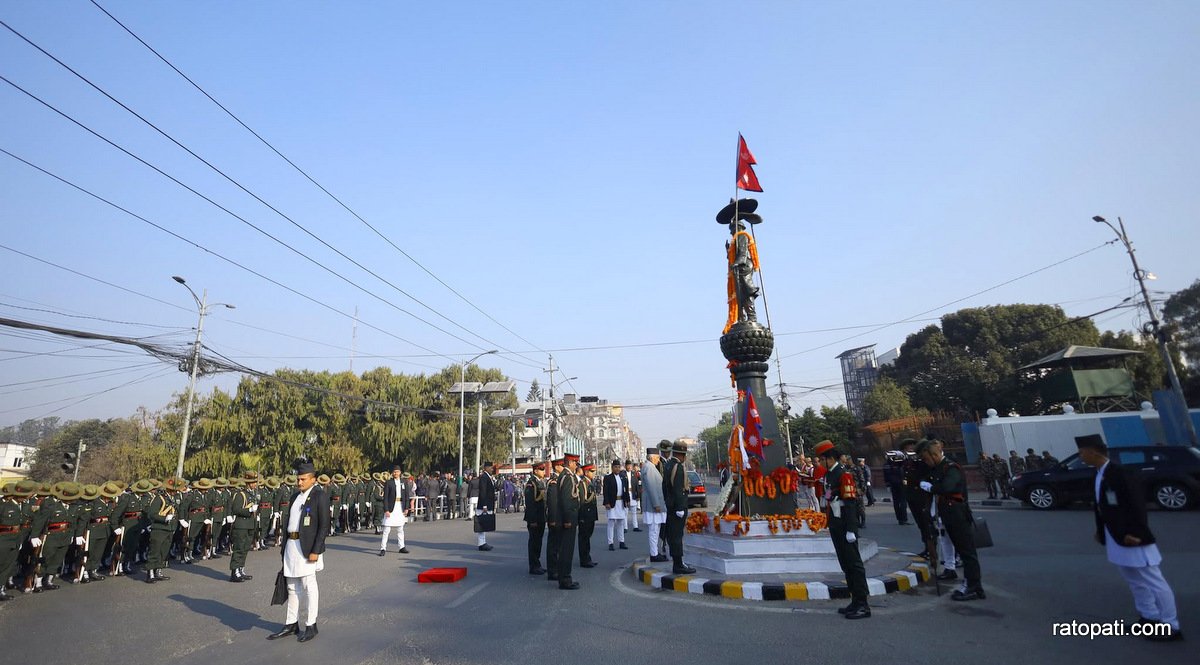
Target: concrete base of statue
[758,551]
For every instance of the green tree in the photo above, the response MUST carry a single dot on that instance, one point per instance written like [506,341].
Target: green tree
[1182,311]
[1147,369]
[887,401]
[835,424]
[714,441]
[971,362]
[535,392]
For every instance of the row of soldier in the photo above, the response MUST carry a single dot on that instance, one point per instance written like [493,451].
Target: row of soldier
[561,509]
[86,533]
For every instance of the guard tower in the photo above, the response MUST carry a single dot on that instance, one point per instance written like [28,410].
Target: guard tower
[860,372]
[1087,376]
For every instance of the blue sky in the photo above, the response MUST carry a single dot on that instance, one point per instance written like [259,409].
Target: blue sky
[559,164]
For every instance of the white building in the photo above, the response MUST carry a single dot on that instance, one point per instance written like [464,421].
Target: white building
[15,460]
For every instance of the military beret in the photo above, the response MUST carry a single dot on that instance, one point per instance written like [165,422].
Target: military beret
[589,467]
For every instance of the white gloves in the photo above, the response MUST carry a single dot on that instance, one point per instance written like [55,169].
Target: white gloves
[79,540]
[118,531]
[925,485]
[253,508]
[208,521]
[185,524]
[679,513]
[229,519]
[275,516]
[169,518]
[36,542]
[345,507]
[850,537]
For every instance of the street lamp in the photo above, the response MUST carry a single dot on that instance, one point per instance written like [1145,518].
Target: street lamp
[1154,326]
[462,405]
[203,307]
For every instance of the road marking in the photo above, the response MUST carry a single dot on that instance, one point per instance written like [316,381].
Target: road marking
[466,596]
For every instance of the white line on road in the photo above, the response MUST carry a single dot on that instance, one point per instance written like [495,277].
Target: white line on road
[463,598]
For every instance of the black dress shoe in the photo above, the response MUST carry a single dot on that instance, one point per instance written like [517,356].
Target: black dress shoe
[1172,636]
[485,547]
[290,629]
[159,576]
[246,577]
[947,575]
[611,548]
[309,633]
[623,546]
[849,608]
[4,597]
[551,577]
[537,571]
[637,529]
[660,558]
[905,523]
[382,552]
[404,550]
[860,612]
[682,570]
[589,564]
[969,594]
[569,586]
[234,577]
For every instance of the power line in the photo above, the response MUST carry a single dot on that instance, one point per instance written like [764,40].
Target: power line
[235,215]
[956,301]
[310,178]
[153,374]
[55,382]
[214,253]
[256,197]
[94,318]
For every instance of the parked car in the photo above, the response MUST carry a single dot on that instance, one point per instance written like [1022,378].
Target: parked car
[1170,475]
[697,492]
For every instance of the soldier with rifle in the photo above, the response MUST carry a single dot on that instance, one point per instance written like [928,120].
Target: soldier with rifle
[283,497]
[336,491]
[378,490]
[265,495]
[535,516]
[52,532]
[244,507]
[567,516]
[553,529]
[588,514]
[841,501]
[161,512]
[97,510]
[14,528]
[126,515]
[218,509]
[198,513]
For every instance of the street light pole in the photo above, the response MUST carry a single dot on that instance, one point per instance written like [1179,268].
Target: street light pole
[1155,326]
[203,307]
[462,407]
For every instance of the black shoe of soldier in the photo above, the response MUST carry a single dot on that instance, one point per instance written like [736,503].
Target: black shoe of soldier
[968,594]
[849,608]
[382,552]
[404,550]
[623,546]
[660,558]
[569,586]
[589,564]
[537,571]
[861,612]
[682,569]
[947,575]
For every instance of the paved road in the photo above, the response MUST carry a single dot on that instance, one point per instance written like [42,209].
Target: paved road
[1045,569]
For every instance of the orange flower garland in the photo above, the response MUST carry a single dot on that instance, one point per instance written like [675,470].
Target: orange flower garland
[815,520]
[697,522]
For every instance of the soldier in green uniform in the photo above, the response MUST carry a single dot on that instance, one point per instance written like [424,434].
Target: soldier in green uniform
[535,516]
[222,504]
[675,492]
[199,519]
[162,511]
[912,472]
[283,497]
[1002,477]
[988,470]
[588,514]
[568,520]
[14,528]
[243,509]
[1016,463]
[377,494]
[96,510]
[336,489]
[53,531]
[947,483]
[127,513]
[841,502]
[264,494]
[553,528]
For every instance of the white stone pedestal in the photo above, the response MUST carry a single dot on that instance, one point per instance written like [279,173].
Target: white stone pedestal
[758,551]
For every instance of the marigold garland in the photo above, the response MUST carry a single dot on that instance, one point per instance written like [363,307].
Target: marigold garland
[816,521]
[697,523]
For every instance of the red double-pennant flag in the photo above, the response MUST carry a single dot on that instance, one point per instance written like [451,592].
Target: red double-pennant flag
[746,179]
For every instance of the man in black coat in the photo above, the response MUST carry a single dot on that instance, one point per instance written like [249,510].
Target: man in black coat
[535,516]
[307,526]
[486,506]
[1122,528]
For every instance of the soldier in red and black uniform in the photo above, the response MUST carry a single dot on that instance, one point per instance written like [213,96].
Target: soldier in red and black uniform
[841,503]
[947,484]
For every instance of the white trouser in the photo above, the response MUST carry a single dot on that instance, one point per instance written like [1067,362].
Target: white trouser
[618,526]
[652,529]
[1152,596]
[946,551]
[471,503]
[399,536]
[633,508]
[307,586]
[481,538]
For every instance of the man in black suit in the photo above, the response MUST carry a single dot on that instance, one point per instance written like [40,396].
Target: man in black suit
[1122,528]
[486,504]
[395,514]
[307,527]
[616,500]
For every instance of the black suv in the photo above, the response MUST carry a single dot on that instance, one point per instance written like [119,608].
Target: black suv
[1170,475]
